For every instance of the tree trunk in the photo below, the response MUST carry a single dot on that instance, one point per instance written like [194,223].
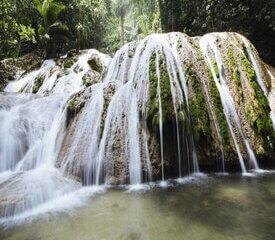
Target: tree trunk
[122,40]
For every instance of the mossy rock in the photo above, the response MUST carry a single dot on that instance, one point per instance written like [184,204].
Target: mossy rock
[5,76]
[216,69]
[167,105]
[30,62]
[198,109]
[71,108]
[68,63]
[87,81]
[91,78]
[216,98]
[38,83]
[95,64]
[75,104]
[258,112]
[35,65]
[234,68]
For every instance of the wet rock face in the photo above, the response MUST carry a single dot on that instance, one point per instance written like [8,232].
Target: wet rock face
[76,103]
[200,101]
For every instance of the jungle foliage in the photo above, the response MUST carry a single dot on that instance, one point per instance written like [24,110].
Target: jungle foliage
[255,19]
[56,26]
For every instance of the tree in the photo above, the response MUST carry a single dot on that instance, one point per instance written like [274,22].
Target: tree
[253,18]
[121,9]
[53,33]
[146,17]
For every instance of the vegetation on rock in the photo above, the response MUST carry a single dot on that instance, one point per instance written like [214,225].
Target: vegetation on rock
[96,65]
[198,110]
[68,62]
[168,112]
[37,84]
[258,111]
[215,95]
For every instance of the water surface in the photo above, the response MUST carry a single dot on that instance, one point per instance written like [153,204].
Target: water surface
[216,207]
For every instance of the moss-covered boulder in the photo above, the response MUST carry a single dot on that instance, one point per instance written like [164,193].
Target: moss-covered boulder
[68,63]
[90,78]
[96,64]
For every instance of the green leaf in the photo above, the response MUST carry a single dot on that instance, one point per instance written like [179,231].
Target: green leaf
[58,28]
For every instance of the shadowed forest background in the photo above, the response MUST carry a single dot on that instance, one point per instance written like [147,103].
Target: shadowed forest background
[55,26]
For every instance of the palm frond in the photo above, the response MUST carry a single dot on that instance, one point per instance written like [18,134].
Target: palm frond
[53,11]
[38,6]
[58,28]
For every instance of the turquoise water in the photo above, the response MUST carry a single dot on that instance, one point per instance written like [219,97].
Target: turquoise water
[216,207]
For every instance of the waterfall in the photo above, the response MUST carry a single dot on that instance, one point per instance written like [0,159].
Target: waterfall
[258,70]
[160,117]
[33,178]
[31,135]
[131,98]
[163,107]
[227,100]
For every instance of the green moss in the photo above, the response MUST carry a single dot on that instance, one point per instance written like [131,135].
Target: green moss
[72,105]
[197,48]
[237,77]
[166,95]
[198,109]
[234,67]
[215,96]
[37,83]
[249,115]
[261,150]
[95,65]
[68,62]
[153,108]
[216,69]
[258,114]
[168,112]
[235,73]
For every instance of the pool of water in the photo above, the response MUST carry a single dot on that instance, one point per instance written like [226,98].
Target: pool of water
[213,207]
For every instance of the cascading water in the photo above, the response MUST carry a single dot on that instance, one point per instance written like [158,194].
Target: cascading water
[32,131]
[258,70]
[227,100]
[149,114]
[160,117]
[121,125]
